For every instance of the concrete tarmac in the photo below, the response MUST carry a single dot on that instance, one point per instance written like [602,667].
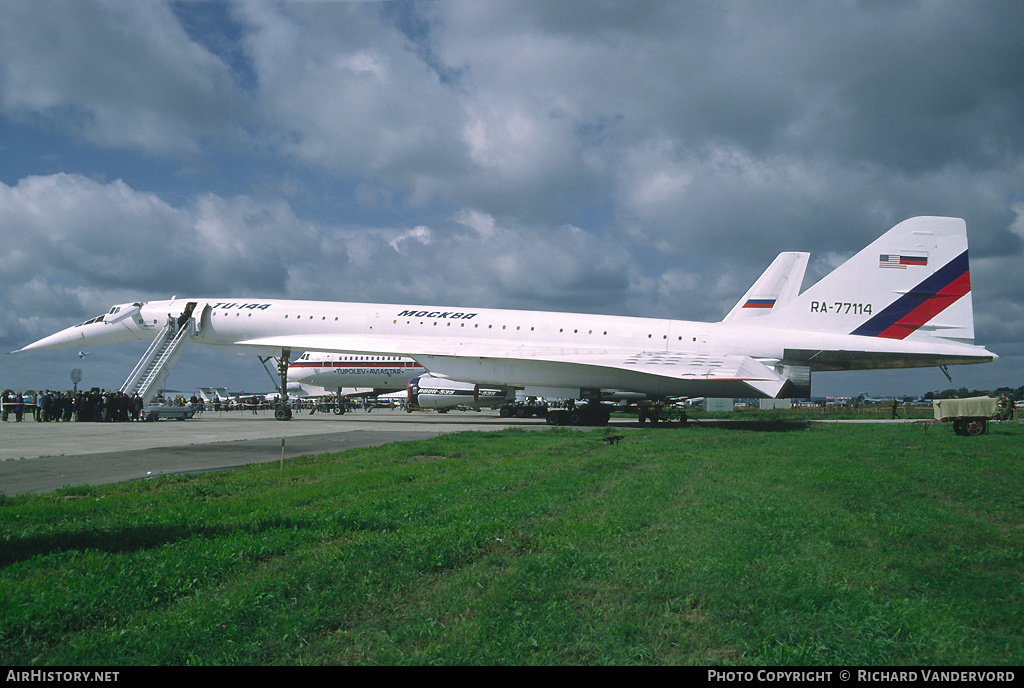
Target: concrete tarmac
[37,458]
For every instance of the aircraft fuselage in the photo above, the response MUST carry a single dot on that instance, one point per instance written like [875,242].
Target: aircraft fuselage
[481,344]
[903,301]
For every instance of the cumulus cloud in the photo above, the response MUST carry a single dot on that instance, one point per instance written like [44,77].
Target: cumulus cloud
[118,74]
[73,228]
[346,92]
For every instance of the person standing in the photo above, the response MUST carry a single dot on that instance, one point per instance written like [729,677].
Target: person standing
[1007,404]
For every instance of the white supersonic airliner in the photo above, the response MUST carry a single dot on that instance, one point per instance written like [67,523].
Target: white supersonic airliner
[902,302]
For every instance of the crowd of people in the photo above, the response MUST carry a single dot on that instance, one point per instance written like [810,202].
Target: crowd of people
[85,406]
[104,406]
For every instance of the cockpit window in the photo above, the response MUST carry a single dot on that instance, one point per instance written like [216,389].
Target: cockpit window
[98,318]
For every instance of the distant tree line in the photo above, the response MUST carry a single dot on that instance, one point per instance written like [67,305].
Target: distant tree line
[1014,393]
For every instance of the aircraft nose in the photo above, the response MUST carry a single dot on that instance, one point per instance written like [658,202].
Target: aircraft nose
[81,335]
[57,340]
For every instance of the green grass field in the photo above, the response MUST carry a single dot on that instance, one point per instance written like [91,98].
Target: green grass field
[836,544]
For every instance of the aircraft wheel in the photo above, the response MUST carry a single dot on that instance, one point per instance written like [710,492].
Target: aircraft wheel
[555,418]
[576,418]
[504,412]
[282,413]
[339,410]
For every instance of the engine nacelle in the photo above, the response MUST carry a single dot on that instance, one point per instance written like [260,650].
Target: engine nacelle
[799,379]
[429,392]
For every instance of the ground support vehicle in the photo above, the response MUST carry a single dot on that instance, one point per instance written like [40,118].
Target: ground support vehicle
[153,413]
[582,414]
[660,413]
[968,416]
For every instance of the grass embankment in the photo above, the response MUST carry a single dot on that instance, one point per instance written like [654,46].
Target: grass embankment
[831,545]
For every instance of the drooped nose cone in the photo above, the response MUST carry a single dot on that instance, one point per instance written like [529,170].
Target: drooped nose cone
[85,334]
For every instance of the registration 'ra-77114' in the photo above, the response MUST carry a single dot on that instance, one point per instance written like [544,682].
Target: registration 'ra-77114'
[841,307]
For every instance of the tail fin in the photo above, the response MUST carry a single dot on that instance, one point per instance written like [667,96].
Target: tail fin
[779,285]
[912,282]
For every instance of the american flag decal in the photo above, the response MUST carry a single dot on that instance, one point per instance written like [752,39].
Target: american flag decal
[895,260]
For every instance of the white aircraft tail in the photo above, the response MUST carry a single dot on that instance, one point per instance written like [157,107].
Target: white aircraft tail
[913,282]
[779,285]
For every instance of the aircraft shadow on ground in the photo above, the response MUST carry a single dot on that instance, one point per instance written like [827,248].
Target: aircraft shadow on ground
[750,425]
[120,540]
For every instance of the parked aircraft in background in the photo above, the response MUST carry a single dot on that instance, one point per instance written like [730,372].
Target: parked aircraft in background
[351,375]
[211,395]
[373,371]
[902,302]
[371,375]
[429,392]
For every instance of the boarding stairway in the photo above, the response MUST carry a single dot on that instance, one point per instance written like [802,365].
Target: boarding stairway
[160,357]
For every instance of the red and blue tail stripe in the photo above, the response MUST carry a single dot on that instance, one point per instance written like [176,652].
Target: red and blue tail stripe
[922,303]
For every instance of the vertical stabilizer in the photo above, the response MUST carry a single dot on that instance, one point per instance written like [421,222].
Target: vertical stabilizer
[779,285]
[912,282]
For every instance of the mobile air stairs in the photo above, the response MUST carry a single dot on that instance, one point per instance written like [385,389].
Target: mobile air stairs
[155,365]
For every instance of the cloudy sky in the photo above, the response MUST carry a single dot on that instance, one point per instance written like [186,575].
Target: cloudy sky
[634,158]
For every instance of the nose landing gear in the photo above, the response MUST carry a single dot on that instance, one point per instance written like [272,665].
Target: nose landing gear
[281,410]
